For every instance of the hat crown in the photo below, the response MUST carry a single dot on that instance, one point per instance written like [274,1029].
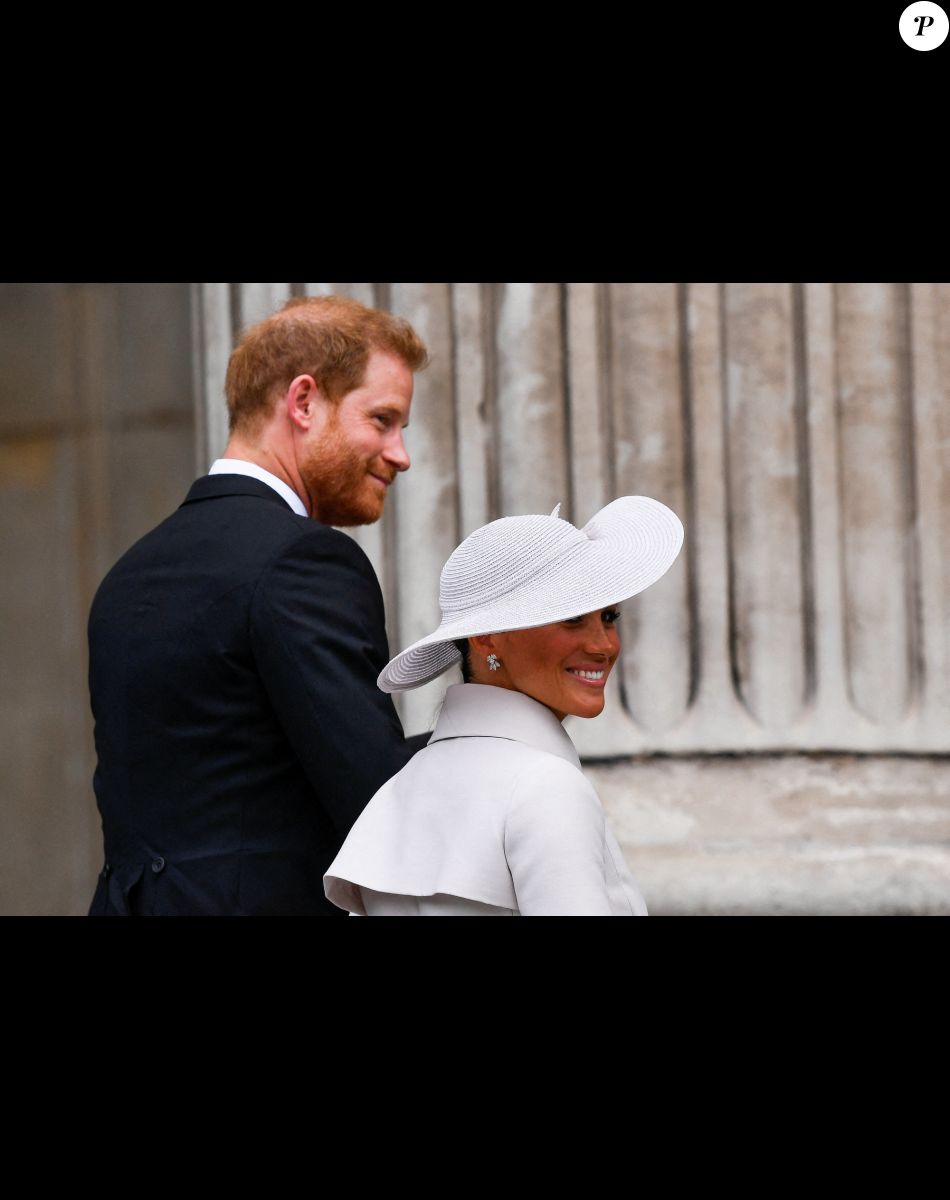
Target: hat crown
[501,557]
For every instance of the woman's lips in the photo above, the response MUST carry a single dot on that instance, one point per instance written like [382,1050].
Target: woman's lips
[592,676]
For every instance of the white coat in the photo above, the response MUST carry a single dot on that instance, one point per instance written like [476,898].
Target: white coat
[493,817]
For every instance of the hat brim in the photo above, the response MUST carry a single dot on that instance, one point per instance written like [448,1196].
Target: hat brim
[632,543]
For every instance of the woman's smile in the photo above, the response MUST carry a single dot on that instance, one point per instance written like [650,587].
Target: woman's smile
[596,676]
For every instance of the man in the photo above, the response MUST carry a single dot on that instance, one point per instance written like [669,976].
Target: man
[234,650]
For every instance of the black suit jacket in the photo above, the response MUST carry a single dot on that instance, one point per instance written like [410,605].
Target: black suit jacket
[239,730]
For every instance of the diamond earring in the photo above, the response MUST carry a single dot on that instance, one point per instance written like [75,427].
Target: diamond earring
[493,663]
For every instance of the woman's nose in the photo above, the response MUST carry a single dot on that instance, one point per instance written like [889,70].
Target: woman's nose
[601,640]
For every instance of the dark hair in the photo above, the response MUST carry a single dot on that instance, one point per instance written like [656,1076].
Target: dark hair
[462,647]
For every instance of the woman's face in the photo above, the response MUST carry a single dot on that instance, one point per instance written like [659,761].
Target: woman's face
[564,665]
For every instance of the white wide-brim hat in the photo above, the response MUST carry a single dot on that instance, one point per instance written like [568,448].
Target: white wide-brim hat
[521,572]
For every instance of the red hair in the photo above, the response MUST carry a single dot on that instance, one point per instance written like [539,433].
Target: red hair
[328,337]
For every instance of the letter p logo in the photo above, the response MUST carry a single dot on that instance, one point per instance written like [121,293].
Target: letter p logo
[924,26]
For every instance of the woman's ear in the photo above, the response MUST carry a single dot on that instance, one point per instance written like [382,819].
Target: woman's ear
[482,643]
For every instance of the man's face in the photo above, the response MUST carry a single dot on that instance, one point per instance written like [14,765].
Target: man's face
[353,454]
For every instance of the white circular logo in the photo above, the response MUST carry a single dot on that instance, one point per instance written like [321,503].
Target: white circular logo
[924,25]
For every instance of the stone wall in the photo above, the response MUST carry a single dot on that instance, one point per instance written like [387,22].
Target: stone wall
[801,431]
[96,446]
[802,835]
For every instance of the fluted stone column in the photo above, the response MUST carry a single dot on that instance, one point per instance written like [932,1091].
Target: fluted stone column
[797,429]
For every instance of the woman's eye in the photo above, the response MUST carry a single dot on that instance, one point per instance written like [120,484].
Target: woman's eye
[611,616]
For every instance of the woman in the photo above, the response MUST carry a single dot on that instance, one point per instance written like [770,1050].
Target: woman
[494,816]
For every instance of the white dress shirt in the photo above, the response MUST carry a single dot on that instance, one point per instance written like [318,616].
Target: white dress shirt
[238,466]
[494,817]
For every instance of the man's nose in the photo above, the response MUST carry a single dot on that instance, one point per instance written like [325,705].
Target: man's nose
[396,453]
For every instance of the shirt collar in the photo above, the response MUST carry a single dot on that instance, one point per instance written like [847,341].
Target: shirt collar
[483,710]
[238,466]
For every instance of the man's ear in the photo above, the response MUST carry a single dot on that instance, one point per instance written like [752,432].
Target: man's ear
[303,400]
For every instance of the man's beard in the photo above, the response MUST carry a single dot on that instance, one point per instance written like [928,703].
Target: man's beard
[337,478]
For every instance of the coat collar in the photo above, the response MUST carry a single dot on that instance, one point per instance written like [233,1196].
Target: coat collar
[482,710]
[212,487]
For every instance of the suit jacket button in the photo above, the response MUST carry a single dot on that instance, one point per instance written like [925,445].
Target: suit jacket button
[158,864]
[106,871]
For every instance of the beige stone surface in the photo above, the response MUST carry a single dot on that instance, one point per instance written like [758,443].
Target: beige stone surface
[644,449]
[86,467]
[879,557]
[837,834]
[763,472]
[527,344]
